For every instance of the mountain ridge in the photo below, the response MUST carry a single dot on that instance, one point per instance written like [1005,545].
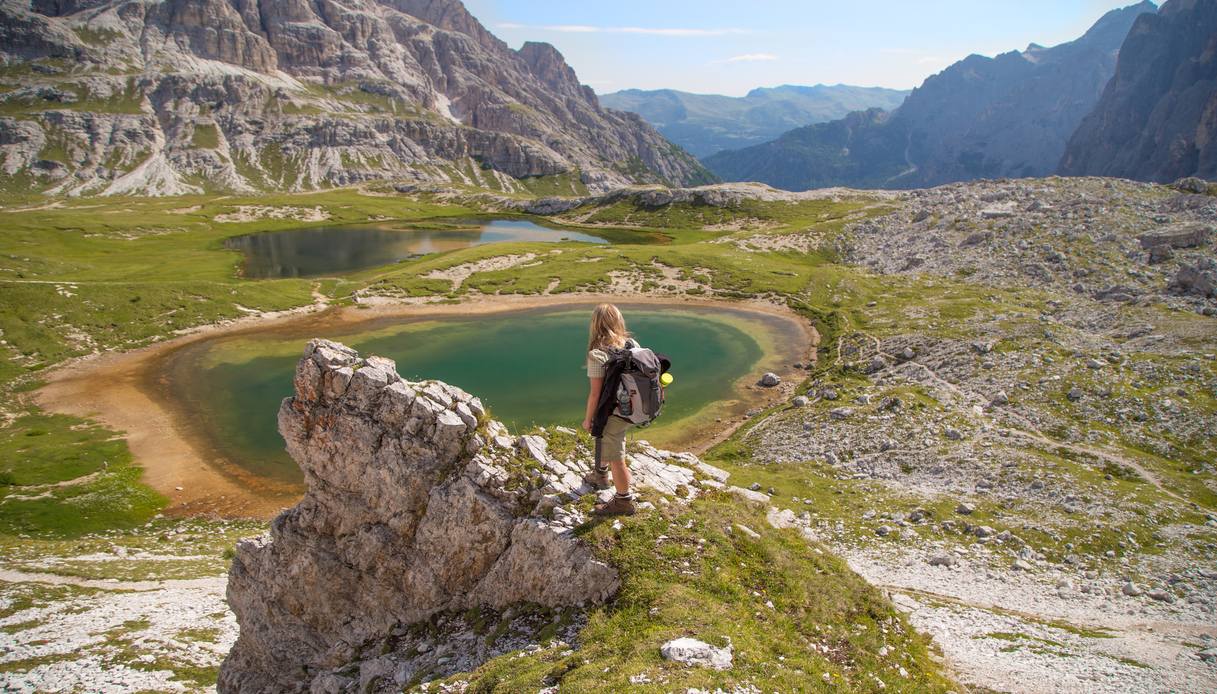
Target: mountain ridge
[707,123]
[1009,115]
[249,95]
[1157,117]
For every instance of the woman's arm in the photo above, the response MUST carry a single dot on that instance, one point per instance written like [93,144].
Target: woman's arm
[593,397]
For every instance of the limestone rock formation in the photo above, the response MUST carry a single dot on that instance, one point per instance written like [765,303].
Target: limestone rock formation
[177,97]
[405,516]
[418,508]
[1157,118]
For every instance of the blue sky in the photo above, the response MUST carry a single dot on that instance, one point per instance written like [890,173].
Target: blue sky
[710,46]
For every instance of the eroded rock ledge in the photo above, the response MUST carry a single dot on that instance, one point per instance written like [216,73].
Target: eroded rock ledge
[418,507]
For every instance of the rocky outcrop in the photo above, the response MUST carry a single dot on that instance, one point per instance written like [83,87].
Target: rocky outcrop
[1157,118]
[1177,236]
[274,94]
[418,508]
[1006,116]
[721,195]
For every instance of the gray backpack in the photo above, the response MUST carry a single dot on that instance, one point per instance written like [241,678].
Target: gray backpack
[639,395]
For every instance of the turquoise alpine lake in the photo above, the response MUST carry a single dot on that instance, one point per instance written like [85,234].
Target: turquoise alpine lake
[325,250]
[527,366]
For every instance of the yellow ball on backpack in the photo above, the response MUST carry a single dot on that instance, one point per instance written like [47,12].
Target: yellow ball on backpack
[666,380]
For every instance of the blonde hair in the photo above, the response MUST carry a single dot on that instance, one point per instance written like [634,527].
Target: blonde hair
[607,328]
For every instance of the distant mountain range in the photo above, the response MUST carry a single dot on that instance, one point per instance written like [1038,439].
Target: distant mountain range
[1006,116]
[1157,118]
[705,124]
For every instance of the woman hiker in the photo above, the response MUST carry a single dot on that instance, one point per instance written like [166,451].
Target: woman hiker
[607,332]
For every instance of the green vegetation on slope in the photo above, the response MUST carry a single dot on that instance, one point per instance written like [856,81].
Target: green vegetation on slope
[64,477]
[796,617]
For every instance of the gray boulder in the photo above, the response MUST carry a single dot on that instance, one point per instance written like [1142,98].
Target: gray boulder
[1177,236]
[1199,279]
[840,413]
[691,651]
[1191,184]
[770,379]
[1161,595]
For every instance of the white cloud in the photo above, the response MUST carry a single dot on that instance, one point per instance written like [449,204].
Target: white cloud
[589,29]
[570,28]
[750,58]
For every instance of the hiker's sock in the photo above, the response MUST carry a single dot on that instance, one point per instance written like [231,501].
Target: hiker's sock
[625,497]
[602,470]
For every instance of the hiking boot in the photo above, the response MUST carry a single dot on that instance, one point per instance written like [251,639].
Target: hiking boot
[598,479]
[619,506]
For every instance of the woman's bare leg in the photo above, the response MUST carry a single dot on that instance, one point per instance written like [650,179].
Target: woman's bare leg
[621,476]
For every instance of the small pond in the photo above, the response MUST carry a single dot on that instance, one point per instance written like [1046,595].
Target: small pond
[527,366]
[327,250]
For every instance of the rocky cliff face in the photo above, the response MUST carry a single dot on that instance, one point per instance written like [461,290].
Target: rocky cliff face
[1007,116]
[1157,118]
[175,97]
[418,508]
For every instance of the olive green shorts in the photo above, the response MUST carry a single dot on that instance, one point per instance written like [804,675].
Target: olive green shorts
[610,447]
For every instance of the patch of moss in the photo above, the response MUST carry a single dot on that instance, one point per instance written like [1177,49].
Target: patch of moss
[205,136]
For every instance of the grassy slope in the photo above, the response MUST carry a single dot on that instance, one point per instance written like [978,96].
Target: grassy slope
[798,620]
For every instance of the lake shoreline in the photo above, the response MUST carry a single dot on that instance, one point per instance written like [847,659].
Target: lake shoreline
[119,390]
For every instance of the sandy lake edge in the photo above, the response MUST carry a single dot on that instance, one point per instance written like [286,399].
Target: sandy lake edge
[111,387]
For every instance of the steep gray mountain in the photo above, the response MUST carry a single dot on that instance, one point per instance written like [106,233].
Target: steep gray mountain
[177,96]
[1007,116]
[708,123]
[1157,118]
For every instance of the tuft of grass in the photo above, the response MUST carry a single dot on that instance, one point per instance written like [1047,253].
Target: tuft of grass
[199,634]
